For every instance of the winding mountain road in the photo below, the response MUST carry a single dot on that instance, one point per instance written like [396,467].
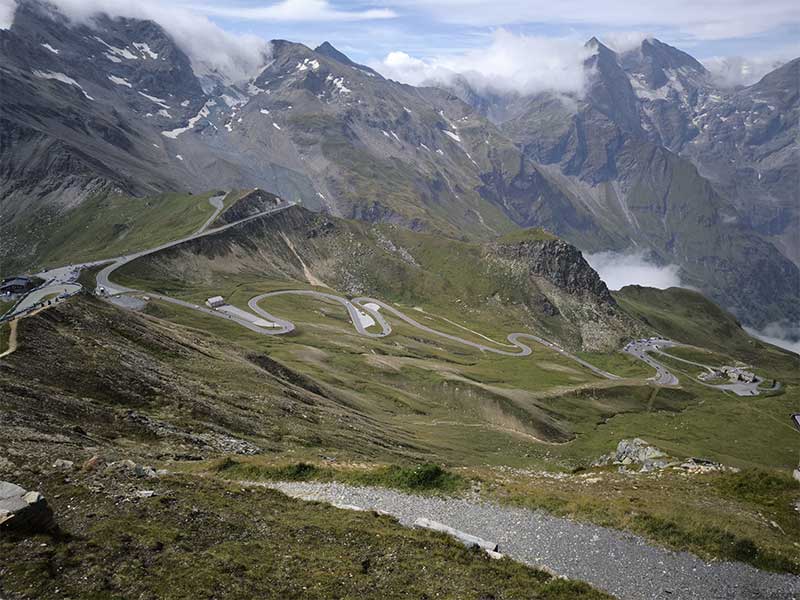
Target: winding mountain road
[373,306]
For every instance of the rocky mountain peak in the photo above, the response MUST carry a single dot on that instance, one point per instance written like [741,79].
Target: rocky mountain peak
[560,263]
[609,90]
[655,64]
[328,50]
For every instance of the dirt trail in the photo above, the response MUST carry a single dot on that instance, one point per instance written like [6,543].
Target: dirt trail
[12,338]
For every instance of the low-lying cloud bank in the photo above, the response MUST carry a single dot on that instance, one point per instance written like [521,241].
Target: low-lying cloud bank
[619,269]
[782,334]
[510,63]
[733,71]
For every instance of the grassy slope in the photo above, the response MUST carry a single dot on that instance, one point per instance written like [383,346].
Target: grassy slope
[103,227]
[438,401]
[204,539]
[688,317]
[5,306]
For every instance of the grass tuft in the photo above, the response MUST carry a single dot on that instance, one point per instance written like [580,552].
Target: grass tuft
[424,477]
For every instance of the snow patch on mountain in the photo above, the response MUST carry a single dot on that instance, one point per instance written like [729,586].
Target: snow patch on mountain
[162,103]
[62,78]
[452,135]
[121,52]
[119,81]
[308,64]
[204,112]
[144,48]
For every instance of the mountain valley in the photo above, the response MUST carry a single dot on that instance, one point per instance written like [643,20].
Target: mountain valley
[300,330]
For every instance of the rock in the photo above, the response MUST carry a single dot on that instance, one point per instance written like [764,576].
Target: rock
[145,493]
[91,464]
[702,465]
[23,511]
[6,464]
[132,468]
[637,451]
[796,474]
[65,465]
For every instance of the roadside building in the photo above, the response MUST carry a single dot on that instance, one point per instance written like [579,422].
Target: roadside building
[215,302]
[16,285]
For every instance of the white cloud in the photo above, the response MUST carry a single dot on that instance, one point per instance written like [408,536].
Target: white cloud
[782,334]
[622,41]
[708,20]
[295,10]
[620,269]
[732,71]
[511,62]
[209,47]
[7,10]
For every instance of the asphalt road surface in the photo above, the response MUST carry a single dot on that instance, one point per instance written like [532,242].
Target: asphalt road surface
[56,281]
[643,348]
[622,564]
[640,349]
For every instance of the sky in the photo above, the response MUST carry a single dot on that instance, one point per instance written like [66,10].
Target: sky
[455,32]
[517,44]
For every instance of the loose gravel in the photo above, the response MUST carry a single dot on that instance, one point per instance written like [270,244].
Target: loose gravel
[622,564]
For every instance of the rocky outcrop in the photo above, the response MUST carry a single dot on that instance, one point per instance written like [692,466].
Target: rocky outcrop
[561,264]
[562,285]
[249,204]
[22,511]
[638,452]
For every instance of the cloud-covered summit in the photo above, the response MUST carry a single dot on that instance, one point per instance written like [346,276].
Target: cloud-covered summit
[210,47]
[509,63]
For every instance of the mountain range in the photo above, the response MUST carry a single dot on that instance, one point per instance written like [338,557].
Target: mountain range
[653,157]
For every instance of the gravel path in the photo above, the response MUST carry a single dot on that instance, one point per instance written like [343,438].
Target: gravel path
[619,563]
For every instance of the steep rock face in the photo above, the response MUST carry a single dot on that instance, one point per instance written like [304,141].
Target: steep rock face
[570,289]
[561,264]
[251,203]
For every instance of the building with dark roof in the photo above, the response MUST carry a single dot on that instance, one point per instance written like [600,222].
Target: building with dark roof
[16,285]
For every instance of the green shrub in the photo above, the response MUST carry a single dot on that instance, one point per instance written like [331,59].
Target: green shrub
[242,470]
[426,476]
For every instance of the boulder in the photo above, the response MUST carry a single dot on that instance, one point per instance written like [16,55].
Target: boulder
[637,451]
[796,474]
[62,464]
[23,511]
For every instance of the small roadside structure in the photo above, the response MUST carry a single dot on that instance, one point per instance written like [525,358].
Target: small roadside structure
[215,302]
[17,285]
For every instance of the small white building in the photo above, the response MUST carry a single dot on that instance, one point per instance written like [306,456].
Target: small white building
[215,302]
